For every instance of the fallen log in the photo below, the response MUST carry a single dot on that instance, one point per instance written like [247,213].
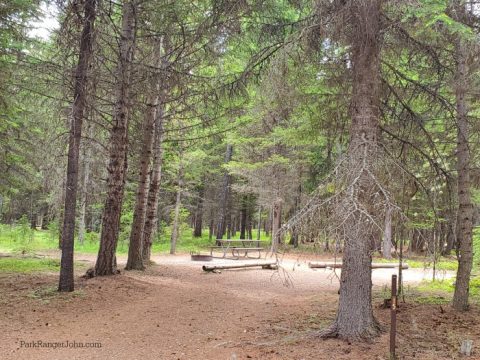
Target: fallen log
[319,265]
[264,265]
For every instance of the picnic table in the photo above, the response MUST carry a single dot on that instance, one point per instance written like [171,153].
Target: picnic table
[239,248]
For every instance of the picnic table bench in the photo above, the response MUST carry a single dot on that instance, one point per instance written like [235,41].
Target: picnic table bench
[238,247]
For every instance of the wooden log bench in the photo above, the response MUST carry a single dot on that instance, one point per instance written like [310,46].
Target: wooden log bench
[272,265]
[333,265]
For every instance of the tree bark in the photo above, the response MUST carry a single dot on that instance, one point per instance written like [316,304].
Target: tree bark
[249,225]
[449,237]
[86,158]
[135,249]
[151,215]
[176,218]
[197,231]
[268,223]
[117,167]
[66,282]
[210,229]
[387,236]
[60,216]
[295,208]
[276,222]
[355,318]
[465,206]
[228,222]
[40,216]
[224,198]
[259,222]
[243,218]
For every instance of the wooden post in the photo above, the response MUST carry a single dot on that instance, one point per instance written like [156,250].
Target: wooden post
[393,317]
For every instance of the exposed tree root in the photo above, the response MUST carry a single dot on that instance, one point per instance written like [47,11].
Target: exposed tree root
[90,273]
[365,335]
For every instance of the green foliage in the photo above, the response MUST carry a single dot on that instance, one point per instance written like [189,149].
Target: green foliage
[92,237]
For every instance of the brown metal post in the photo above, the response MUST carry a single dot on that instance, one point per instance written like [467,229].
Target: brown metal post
[393,317]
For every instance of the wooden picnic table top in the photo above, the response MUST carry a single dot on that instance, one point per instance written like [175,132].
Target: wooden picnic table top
[237,246]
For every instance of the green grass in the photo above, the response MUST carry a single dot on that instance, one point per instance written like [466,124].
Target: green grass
[440,291]
[27,241]
[187,243]
[432,299]
[419,263]
[28,265]
[447,286]
[21,239]
[47,293]
[18,239]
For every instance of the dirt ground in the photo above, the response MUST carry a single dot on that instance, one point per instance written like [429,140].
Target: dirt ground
[174,310]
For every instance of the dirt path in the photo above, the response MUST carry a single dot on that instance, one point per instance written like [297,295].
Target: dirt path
[176,311]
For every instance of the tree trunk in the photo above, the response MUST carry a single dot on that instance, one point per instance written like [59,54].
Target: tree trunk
[243,218]
[210,229]
[197,231]
[117,167]
[135,249]
[151,215]
[449,237]
[249,227]
[268,223]
[224,198]
[294,237]
[66,282]
[235,226]
[259,222]
[86,155]
[229,222]
[294,230]
[326,245]
[355,318]
[465,206]
[60,216]
[40,217]
[276,222]
[176,219]
[387,236]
